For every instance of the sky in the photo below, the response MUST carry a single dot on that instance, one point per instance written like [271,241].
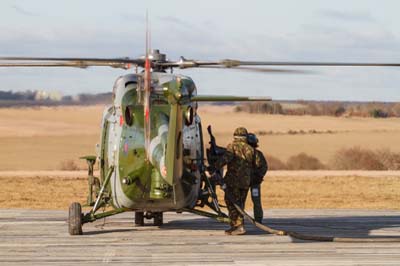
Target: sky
[285,30]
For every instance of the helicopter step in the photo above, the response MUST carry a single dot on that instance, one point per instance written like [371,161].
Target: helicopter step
[93,182]
[156,216]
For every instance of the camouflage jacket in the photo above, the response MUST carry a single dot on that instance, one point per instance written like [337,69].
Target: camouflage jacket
[260,167]
[239,159]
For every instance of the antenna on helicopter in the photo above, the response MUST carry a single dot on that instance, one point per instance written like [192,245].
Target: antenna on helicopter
[147,92]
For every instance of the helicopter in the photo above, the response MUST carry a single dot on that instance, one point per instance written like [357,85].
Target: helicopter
[151,152]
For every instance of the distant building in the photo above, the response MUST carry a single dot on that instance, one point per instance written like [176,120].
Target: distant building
[44,95]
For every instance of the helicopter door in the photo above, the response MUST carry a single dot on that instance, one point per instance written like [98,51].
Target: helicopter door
[192,143]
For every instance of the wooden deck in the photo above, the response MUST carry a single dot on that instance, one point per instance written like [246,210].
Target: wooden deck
[41,238]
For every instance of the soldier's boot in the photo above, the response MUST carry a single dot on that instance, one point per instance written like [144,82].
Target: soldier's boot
[230,230]
[238,231]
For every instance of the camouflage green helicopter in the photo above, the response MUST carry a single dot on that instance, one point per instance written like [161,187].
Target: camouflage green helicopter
[151,151]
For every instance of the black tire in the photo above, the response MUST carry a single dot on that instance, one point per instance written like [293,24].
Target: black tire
[158,218]
[139,218]
[75,219]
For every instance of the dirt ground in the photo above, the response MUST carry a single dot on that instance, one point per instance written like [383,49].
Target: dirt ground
[334,132]
[45,138]
[281,189]
[33,139]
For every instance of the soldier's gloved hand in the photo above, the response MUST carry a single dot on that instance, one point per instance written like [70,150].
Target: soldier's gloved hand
[223,186]
[210,169]
[217,179]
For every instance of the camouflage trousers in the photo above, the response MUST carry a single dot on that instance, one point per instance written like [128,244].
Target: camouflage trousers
[238,196]
[256,198]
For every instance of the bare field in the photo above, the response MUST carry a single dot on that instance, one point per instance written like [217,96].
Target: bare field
[346,132]
[42,138]
[281,189]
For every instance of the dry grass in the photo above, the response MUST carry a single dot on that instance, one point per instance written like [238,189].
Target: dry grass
[45,138]
[42,138]
[389,159]
[50,121]
[53,191]
[332,192]
[44,152]
[303,161]
[42,192]
[274,163]
[377,110]
[69,165]
[348,131]
[356,158]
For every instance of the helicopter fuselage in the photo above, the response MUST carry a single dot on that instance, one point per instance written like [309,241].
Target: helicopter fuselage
[167,174]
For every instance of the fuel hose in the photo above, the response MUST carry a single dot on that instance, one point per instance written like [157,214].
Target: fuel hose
[301,236]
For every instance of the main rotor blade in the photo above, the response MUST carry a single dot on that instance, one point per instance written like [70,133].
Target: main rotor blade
[234,63]
[83,62]
[261,70]
[230,63]
[39,65]
[125,60]
[77,64]
[123,63]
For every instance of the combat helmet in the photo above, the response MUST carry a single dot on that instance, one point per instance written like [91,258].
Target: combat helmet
[240,132]
[252,140]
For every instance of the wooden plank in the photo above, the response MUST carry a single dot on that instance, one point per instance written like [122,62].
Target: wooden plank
[41,238]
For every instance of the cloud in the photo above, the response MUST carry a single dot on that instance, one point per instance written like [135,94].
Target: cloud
[175,21]
[347,15]
[327,40]
[24,12]
[139,19]
[338,42]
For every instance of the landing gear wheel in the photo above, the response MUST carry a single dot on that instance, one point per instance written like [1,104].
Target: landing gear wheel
[158,218]
[139,218]
[75,219]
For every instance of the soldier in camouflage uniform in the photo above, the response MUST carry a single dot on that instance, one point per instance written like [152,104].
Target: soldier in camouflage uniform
[260,168]
[238,157]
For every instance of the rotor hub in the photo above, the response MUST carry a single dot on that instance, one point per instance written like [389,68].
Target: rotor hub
[156,56]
